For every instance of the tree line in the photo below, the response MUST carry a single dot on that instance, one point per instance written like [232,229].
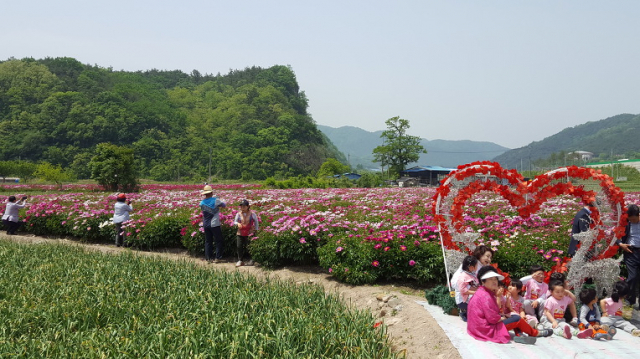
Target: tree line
[249,124]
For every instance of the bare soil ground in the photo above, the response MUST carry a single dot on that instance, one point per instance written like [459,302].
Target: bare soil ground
[411,329]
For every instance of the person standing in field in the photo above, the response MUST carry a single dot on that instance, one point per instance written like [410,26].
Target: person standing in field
[247,222]
[581,223]
[630,244]
[211,224]
[11,217]
[120,215]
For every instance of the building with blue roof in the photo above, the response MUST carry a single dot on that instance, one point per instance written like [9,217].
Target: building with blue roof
[427,175]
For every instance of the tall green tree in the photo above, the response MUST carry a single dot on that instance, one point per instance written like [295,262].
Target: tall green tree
[113,167]
[52,173]
[332,167]
[399,149]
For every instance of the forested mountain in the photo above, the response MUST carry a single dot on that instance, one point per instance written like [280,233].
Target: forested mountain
[249,124]
[358,145]
[612,138]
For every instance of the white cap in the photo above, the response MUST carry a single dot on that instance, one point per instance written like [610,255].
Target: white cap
[491,274]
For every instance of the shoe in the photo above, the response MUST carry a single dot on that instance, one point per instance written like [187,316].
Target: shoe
[567,332]
[463,316]
[250,262]
[532,323]
[216,261]
[587,333]
[635,332]
[574,322]
[545,333]
[239,264]
[612,332]
[601,336]
[525,340]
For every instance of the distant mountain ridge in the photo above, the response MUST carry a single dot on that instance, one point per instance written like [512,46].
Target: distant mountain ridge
[358,144]
[613,137]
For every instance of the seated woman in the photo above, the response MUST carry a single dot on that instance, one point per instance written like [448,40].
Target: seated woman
[484,321]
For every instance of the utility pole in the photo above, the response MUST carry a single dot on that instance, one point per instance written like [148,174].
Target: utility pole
[612,162]
[210,151]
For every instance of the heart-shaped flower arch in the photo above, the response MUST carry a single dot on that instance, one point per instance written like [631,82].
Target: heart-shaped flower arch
[450,200]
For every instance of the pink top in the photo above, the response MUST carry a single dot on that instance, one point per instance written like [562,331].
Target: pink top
[465,281]
[557,307]
[535,290]
[613,308]
[483,318]
[516,304]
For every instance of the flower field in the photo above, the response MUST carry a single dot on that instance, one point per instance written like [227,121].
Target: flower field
[359,235]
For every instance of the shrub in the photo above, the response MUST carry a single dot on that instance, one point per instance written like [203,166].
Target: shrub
[52,225]
[441,296]
[271,250]
[358,261]
[349,260]
[163,231]
[91,229]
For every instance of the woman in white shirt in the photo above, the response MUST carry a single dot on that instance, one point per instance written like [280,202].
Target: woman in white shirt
[121,214]
[11,219]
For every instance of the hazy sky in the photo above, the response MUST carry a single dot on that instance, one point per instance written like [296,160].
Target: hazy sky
[509,72]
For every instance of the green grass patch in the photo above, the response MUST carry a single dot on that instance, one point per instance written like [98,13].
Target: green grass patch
[60,301]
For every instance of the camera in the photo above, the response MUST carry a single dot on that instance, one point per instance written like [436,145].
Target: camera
[24,197]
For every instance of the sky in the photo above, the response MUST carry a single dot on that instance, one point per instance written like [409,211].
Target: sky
[508,72]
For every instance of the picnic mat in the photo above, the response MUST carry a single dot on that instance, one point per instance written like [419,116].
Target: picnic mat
[623,345]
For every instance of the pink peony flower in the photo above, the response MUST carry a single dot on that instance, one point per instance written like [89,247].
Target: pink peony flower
[412,262]
[375,263]
[339,249]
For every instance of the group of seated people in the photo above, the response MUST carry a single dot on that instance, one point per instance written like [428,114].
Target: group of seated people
[530,307]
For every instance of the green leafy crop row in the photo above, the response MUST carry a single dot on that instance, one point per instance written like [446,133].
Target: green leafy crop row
[58,301]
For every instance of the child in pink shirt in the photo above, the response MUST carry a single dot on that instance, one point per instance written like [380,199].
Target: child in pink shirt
[467,285]
[535,293]
[612,310]
[554,308]
[515,302]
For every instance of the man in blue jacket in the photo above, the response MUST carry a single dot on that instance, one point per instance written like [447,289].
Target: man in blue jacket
[581,223]
[211,224]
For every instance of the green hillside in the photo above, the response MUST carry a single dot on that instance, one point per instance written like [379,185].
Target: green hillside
[611,138]
[358,145]
[248,124]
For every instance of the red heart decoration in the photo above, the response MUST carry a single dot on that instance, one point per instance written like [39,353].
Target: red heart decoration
[527,197]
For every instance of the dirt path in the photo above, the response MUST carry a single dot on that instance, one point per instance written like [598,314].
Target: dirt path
[411,328]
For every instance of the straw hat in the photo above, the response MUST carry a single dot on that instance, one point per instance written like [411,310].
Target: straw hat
[206,190]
